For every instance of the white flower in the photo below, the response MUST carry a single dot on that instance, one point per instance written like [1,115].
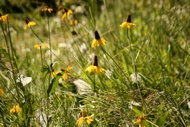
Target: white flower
[136,78]
[134,103]
[83,48]
[188,104]
[83,88]
[23,80]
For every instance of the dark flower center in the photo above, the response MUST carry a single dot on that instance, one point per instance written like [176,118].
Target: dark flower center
[95,60]
[27,20]
[97,36]
[129,18]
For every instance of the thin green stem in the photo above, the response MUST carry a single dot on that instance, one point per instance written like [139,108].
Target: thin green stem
[13,52]
[36,35]
[134,65]
[8,48]
[49,33]
[116,64]
[41,55]
[94,82]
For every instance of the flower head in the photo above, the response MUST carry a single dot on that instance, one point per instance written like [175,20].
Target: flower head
[67,13]
[98,41]
[66,72]
[73,22]
[1,92]
[84,118]
[94,67]
[46,8]
[23,80]
[15,109]
[128,23]
[140,120]
[53,73]
[3,18]
[41,46]
[29,23]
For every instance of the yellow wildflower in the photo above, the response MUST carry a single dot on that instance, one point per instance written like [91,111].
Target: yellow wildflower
[84,118]
[15,109]
[67,13]
[98,41]
[66,72]
[128,23]
[41,46]
[140,120]
[53,73]
[46,8]
[94,67]
[29,24]
[1,92]
[3,18]
[73,22]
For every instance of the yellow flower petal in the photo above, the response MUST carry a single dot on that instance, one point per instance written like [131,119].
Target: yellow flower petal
[138,121]
[67,14]
[64,16]
[99,69]
[70,12]
[68,68]
[1,92]
[65,76]
[89,119]
[80,121]
[47,9]
[127,25]
[98,42]
[96,69]
[15,109]
[90,69]
[42,46]
[31,23]
[4,18]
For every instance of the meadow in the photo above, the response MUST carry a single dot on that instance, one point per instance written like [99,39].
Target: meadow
[95,63]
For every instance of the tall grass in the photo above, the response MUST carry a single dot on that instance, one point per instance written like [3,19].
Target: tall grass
[145,81]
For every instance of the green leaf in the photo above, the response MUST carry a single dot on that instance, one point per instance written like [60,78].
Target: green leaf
[162,119]
[53,84]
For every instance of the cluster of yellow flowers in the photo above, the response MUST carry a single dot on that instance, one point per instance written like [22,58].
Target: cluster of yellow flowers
[46,8]
[84,119]
[64,71]
[141,120]
[101,41]
[15,109]
[67,13]
[98,41]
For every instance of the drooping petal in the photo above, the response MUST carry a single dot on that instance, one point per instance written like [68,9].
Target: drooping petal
[80,121]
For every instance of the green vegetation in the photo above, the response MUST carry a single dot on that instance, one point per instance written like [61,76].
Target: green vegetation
[95,63]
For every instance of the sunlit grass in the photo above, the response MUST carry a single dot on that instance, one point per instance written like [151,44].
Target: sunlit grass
[118,63]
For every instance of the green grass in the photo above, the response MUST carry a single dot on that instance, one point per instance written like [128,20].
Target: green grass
[155,52]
